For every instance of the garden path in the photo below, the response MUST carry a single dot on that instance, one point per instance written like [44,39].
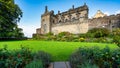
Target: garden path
[60,65]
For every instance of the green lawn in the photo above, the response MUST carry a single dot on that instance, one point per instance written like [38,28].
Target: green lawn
[60,51]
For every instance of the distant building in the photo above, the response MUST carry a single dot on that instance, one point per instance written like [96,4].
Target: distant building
[99,14]
[76,21]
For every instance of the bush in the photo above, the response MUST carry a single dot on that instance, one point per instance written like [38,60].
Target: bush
[44,57]
[94,56]
[116,31]
[82,39]
[22,57]
[88,65]
[49,34]
[64,36]
[34,64]
[116,39]
[15,59]
[116,36]
[82,35]
[98,32]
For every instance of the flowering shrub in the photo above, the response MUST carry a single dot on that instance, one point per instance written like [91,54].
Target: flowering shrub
[82,39]
[104,58]
[15,59]
[22,57]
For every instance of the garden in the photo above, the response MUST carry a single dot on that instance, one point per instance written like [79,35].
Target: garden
[98,48]
[25,54]
[82,51]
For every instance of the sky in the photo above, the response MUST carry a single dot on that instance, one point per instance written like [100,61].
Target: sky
[33,9]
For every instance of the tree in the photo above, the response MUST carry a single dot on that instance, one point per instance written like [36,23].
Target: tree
[10,14]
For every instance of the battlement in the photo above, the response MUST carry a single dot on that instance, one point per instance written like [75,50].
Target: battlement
[74,10]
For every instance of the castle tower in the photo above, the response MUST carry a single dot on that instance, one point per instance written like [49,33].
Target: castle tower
[46,21]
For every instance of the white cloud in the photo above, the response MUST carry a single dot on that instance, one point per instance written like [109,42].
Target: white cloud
[117,12]
[107,13]
[28,30]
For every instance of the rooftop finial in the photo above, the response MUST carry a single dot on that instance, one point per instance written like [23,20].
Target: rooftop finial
[46,9]
[73,6]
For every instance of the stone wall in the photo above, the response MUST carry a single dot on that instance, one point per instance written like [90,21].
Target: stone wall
[75,27]
[110,22]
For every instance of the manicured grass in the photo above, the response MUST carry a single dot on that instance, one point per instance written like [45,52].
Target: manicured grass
[60,51]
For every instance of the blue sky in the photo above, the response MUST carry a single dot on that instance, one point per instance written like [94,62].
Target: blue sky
[32,10]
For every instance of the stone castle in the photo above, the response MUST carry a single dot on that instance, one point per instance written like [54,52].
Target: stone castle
[75,21]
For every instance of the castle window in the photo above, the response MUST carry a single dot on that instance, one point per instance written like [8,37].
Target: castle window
[53,21]
[45,27]
[66,20]
[73,18]
[43,20]
[60,21]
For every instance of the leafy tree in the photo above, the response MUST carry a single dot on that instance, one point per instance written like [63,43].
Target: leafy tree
[10,14]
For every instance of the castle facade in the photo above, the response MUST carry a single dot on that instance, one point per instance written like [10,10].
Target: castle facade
[75,21]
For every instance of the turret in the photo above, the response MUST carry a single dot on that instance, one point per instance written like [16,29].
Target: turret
[46,9]
[46,21]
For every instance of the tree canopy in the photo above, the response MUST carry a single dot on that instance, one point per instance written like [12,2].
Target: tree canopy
[10,14]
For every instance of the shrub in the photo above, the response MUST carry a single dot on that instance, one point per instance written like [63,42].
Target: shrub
[98,32]
[116,31]
[15,59]
[87,65]
[65,36]
[104,58]
[82,39]
[82,35]
[49,34]
[44,57]
[116,39]
[34,64]
[100,40]
[23,58]
[38,37]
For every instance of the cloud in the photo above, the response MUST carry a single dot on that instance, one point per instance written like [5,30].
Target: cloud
[117,12]
[28,30]
[107,13]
